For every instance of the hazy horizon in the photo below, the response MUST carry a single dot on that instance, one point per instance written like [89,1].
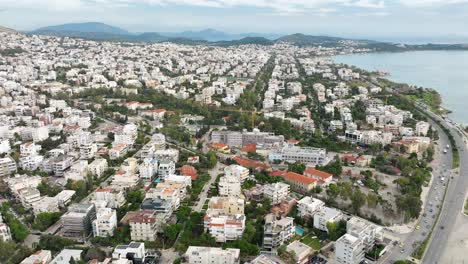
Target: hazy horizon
[394,20]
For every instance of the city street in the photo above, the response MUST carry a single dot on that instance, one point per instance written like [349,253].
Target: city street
[204,193]
[408,242]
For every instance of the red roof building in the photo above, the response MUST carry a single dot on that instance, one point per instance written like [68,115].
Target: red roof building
[299,182]
[188,170]
[251,164]
[321,176]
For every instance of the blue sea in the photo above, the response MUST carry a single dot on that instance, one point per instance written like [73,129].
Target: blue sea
[444,71]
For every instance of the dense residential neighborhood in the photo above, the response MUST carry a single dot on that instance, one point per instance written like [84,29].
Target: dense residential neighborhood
[132,153]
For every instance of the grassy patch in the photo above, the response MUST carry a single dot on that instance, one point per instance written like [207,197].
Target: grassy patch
[312,242]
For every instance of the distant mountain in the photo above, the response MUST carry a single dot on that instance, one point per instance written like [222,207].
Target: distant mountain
[77,28]
[103,32]
[308,40]
[5,29]
[246,41]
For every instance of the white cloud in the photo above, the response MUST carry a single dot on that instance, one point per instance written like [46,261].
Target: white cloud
[280,6]
[431,3]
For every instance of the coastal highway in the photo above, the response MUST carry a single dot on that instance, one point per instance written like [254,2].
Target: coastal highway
[408,242]
[447,242]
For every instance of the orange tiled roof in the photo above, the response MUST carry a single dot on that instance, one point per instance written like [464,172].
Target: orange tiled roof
[317,173]
[298,178]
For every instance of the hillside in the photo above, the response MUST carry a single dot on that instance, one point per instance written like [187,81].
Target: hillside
[90,27]
[5,29]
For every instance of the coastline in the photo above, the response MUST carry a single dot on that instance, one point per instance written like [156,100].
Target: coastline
[420,69]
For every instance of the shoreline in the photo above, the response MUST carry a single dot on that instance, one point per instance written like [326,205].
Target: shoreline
[444,110]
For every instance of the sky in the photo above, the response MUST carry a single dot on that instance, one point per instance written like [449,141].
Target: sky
[412,20]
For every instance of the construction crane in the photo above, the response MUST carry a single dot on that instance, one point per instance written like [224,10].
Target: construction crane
[252,112]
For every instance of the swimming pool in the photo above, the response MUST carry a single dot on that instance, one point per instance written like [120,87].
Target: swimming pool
[299,231]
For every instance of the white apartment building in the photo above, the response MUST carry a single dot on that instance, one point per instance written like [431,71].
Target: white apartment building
[171,195]
[308,206]
[20,182]
[422,128]
[211,255]
[326,215]
[64,197]
[29,196]
[88,150]
[66,255]
[225,227]
[144,225]
[276,192]
[45,204]
[227,205]
[349,250]
[40,257]
[30,162]
[118,151]
[167,154]
[136,249]
[166,168]
[98,167]
[291,153]
[237,171]
[114,198]
[7,166]
[277,231]
[366,231]
[229,186]
[148,168]
[5,233]
[105,222]
[29,149]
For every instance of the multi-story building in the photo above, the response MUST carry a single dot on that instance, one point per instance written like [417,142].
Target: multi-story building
[211,255]
[7,166]
[105,222]
[277,231]
[46,204]
[98,167]
[238,139]
[148,168]
[299,251]
[293,154]
[135,252]
[88,150]
[227,205]
[323,178]
[276,192]
[160,206]
[58,165]
[299,182]
[114,198]
[29,196]
[229,186]
[349,250]
[326,215]
[224,227]
[166,168]
[78,220]
[169,194]
[5,233]
[144,225]
[368,232]
[237,171]
[40,257]
[308,206]
[118,151]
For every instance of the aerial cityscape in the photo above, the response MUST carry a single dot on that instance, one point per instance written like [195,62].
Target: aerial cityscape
[207,147]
